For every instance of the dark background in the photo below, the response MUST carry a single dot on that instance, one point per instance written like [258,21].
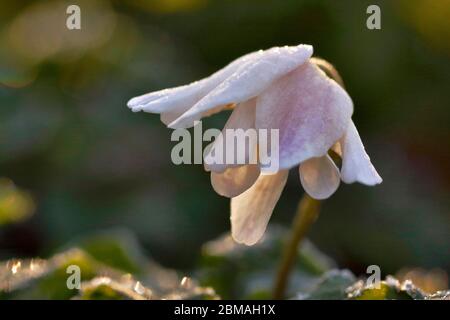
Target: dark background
[74,159]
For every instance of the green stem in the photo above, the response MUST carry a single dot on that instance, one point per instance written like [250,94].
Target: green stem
[307,213]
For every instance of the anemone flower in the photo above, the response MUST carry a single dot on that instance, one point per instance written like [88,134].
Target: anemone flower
[279,88]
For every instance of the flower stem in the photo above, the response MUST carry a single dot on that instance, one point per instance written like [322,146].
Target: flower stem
[307,212]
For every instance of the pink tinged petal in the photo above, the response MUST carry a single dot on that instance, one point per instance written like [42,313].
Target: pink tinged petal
[319,177]
[310,110]
[251,211]
[168,117]
[249,80]
[356,165]
[179,99]
[242,117]
[234,181]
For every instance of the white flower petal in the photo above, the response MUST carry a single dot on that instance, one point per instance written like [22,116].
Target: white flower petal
[168,117]
[234,181]
[182,98]
[356,165]
[249,80]
[242,117]
[251,211]
[310,110]
[178,98]
[319,177]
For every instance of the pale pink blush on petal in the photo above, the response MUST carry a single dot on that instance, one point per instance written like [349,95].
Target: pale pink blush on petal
[234,181]
[175,99]
[319,177]
[184,97]
[242,117]
[249,80]
[310,110]
[356,165]
[168,117]
[251,211]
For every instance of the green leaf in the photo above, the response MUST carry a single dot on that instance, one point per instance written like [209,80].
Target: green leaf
[106,262]
[105,288]
[331,286]
[389,289]
[242,272]
[117,248]
[46,279]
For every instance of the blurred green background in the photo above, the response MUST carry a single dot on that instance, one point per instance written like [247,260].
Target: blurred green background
[75,160]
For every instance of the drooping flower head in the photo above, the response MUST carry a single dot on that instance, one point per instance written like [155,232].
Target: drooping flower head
[280,88]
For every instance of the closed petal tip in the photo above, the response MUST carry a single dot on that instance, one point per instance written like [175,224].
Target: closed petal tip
[139,101]
[245,239]
[356,164]
[136,109]
[367,176]
[134,105]
[133,102]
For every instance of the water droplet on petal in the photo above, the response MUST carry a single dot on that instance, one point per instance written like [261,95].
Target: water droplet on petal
[16,266]
[139,288]
[185,283]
